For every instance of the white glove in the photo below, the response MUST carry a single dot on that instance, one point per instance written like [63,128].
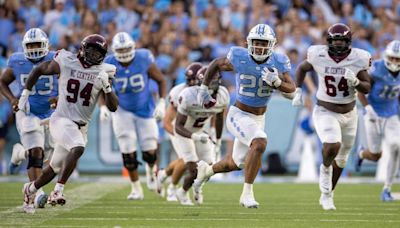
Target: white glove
[370,112]
[200,136]
[298,97]
[270,76]
[159,111]
[23,103]
[104,80]
[351,78]
[204,98]
[104,113]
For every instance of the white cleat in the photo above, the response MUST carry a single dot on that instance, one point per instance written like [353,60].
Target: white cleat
[248,201]
[202,175]
[325,179]
[40,199]
[161,177]
[183,197]
[171,194]
[28,205]
[151,178]
[56,197]
[135,196]
[326,201]
[198,196]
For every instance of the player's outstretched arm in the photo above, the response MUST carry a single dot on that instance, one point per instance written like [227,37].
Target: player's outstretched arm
[111,101]
[169,117]
[45,68]
[6,79]
[287,84]
[180,125]
[157,76]
[220,64]
[365,85]
[219,124]
[301,72]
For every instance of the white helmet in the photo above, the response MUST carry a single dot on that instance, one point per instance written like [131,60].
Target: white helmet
[123,40]
[261,32]
[392,50]
[35,35]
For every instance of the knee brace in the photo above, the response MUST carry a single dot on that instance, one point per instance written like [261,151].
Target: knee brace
[341,161]
[35,158]
[130,161]
[149,157]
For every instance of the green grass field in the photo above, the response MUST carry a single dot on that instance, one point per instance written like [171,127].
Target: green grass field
[282,205]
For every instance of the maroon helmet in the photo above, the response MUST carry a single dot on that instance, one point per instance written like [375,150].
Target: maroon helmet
[93,50]
[339,31]
[191,73]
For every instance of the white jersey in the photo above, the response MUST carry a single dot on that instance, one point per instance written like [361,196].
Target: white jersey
[332,86]
[78,89]
[198,117]
[174,94]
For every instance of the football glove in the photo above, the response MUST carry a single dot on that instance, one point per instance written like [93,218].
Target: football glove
[159,111]
[298,97]
[351,78]
[200,136]
[204,98]
[270,76]
[23,103]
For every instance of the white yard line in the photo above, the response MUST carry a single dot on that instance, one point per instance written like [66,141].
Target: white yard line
[76,197]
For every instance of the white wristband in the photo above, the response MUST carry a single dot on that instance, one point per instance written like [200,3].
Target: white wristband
[25,92]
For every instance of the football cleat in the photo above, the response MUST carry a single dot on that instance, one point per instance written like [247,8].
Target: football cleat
[325,179]
[358,160]
[40,199]
[171,193]
[151,177]
[183,197]
[161,177]
[202,175]
[326,201]
[56,197]
[198,196]
[248,201]
[28,205]
[135,196]
[386,196]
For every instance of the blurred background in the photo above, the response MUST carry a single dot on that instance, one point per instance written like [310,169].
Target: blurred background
[181,32]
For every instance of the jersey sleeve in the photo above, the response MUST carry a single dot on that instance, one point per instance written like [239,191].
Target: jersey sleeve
[312,53]
[232,56]
[60,56]
[365,60]
[12,61]
[183,102]
[283,63]
[110,69]
[374,70]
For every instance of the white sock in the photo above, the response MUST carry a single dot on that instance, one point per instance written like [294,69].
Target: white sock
[32,188]
[136,185]
[209,171]
[361,154]
[59,187]
[247,188]
[173,186]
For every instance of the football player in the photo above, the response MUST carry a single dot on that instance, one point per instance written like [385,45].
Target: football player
[82,79]
[342,70]
[259,71]
[175,168]
[381,114]
[134,122]
[192,142]
[33,135]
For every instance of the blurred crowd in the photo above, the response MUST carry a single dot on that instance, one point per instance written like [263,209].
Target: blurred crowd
[180,32]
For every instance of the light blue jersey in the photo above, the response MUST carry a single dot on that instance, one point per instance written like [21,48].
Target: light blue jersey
[132,85]
[251,90]
[45,88]
[384,95]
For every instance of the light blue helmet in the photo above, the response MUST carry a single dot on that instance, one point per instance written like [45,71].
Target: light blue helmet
[261,32]
[123,40]
[35,35]
[392,51]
